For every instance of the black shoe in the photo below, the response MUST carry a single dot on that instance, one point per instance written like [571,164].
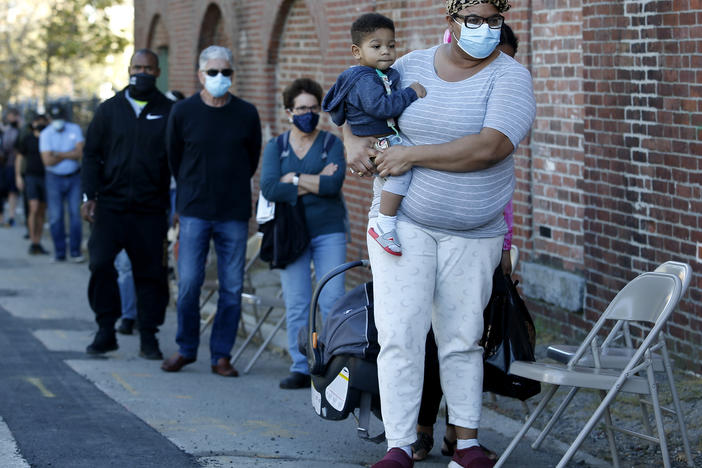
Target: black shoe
[126,326]
[104,342]
[295,380]
[149,347]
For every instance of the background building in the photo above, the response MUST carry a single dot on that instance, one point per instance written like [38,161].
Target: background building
[610,182]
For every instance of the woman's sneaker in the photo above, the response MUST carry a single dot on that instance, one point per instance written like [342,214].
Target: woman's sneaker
[395,458]
[387,240]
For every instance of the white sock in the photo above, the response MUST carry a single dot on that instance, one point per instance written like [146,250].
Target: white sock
[406,448]
[386,223]
[466,443]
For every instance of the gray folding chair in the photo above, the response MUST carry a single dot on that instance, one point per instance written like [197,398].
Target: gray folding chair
[616,357]
[649,299]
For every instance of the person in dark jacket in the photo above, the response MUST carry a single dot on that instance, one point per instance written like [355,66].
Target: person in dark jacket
[125,197]
[214,143]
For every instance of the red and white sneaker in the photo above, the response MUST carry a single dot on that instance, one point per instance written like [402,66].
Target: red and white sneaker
[473,457]
[395,458]
[387,240]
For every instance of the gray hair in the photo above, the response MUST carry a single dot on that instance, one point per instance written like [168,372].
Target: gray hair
[213,53]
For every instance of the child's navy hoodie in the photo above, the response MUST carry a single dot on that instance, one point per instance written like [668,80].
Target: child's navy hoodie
[359,97]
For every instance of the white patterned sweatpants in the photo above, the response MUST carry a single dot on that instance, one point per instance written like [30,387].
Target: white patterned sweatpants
[439,280]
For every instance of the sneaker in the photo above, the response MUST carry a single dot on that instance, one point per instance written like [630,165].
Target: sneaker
[473,457]
[126,326]
[58,260]
[149,347]
[11,222]
[295,380]
[388,241]
[395,458]
[37,249]
[78,259]
[105,341]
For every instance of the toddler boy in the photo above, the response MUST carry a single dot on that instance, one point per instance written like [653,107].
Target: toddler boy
[369,98]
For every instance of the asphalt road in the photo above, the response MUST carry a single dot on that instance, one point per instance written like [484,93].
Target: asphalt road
[61,408]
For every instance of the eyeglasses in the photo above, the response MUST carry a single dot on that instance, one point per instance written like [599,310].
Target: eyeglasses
[475,21]
[215,72]
[306,109]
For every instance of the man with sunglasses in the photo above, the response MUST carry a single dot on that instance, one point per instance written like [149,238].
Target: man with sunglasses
[214,143]
[125,196]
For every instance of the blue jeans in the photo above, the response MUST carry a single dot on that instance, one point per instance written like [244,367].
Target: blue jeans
[60,189]
[230,245]
[327,252]
[125,280]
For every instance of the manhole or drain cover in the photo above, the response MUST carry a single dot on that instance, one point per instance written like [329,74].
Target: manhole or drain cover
[7,292]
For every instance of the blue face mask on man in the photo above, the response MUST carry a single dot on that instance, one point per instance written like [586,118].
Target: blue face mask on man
[217,85]
[306,122]
[479,42]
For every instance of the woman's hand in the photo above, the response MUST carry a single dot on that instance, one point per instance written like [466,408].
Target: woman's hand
[358,153]
[329,169]
[393,161]
[19,183]
[287,178]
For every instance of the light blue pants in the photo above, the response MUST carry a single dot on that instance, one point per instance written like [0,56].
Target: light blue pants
[327,251]
[125,280]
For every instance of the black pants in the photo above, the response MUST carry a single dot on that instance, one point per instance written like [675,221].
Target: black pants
[431,391]
[143,236]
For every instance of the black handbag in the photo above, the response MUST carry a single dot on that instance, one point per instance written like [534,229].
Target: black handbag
[508,335]
[285,237]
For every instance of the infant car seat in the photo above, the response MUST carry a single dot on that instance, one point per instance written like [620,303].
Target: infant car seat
[342,356]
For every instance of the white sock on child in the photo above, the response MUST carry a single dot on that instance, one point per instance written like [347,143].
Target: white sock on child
[386,223]
[466,443]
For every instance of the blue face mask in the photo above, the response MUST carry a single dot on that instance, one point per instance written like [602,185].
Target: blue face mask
[217,85]
[306,122]
[58,124]
[479,42]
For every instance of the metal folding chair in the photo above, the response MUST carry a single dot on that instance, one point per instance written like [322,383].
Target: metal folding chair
[648,299]
[616,357]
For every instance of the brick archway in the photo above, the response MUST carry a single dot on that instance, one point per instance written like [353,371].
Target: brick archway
[159,42]
[294,53]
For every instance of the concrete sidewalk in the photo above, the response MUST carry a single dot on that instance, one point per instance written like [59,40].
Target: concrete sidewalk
[213,421]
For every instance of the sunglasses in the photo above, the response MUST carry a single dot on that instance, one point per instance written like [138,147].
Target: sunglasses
[214,72]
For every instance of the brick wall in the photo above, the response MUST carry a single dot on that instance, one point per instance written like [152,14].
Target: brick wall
[608,185]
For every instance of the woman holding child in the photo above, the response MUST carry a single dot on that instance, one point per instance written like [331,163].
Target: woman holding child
[458,141]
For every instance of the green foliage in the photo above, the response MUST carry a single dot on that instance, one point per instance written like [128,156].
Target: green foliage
[47,39]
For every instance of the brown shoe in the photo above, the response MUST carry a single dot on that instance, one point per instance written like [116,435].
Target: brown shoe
[176,363]
[224,368]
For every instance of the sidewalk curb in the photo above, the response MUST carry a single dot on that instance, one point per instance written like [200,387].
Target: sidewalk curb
[509,427]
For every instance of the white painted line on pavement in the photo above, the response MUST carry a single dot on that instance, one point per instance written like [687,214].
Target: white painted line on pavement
[9,453]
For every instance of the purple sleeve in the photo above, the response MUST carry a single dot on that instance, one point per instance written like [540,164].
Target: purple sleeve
[509,219]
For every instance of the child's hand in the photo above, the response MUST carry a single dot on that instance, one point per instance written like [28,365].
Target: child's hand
[329,169]
[419,89]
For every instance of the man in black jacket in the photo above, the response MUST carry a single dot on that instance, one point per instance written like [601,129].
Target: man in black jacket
[214,142]
[125,197]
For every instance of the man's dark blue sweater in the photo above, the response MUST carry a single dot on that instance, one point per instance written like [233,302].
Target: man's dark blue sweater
[359,97]
[213,153]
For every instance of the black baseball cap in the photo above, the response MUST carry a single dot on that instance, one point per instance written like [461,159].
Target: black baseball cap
[57,112]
